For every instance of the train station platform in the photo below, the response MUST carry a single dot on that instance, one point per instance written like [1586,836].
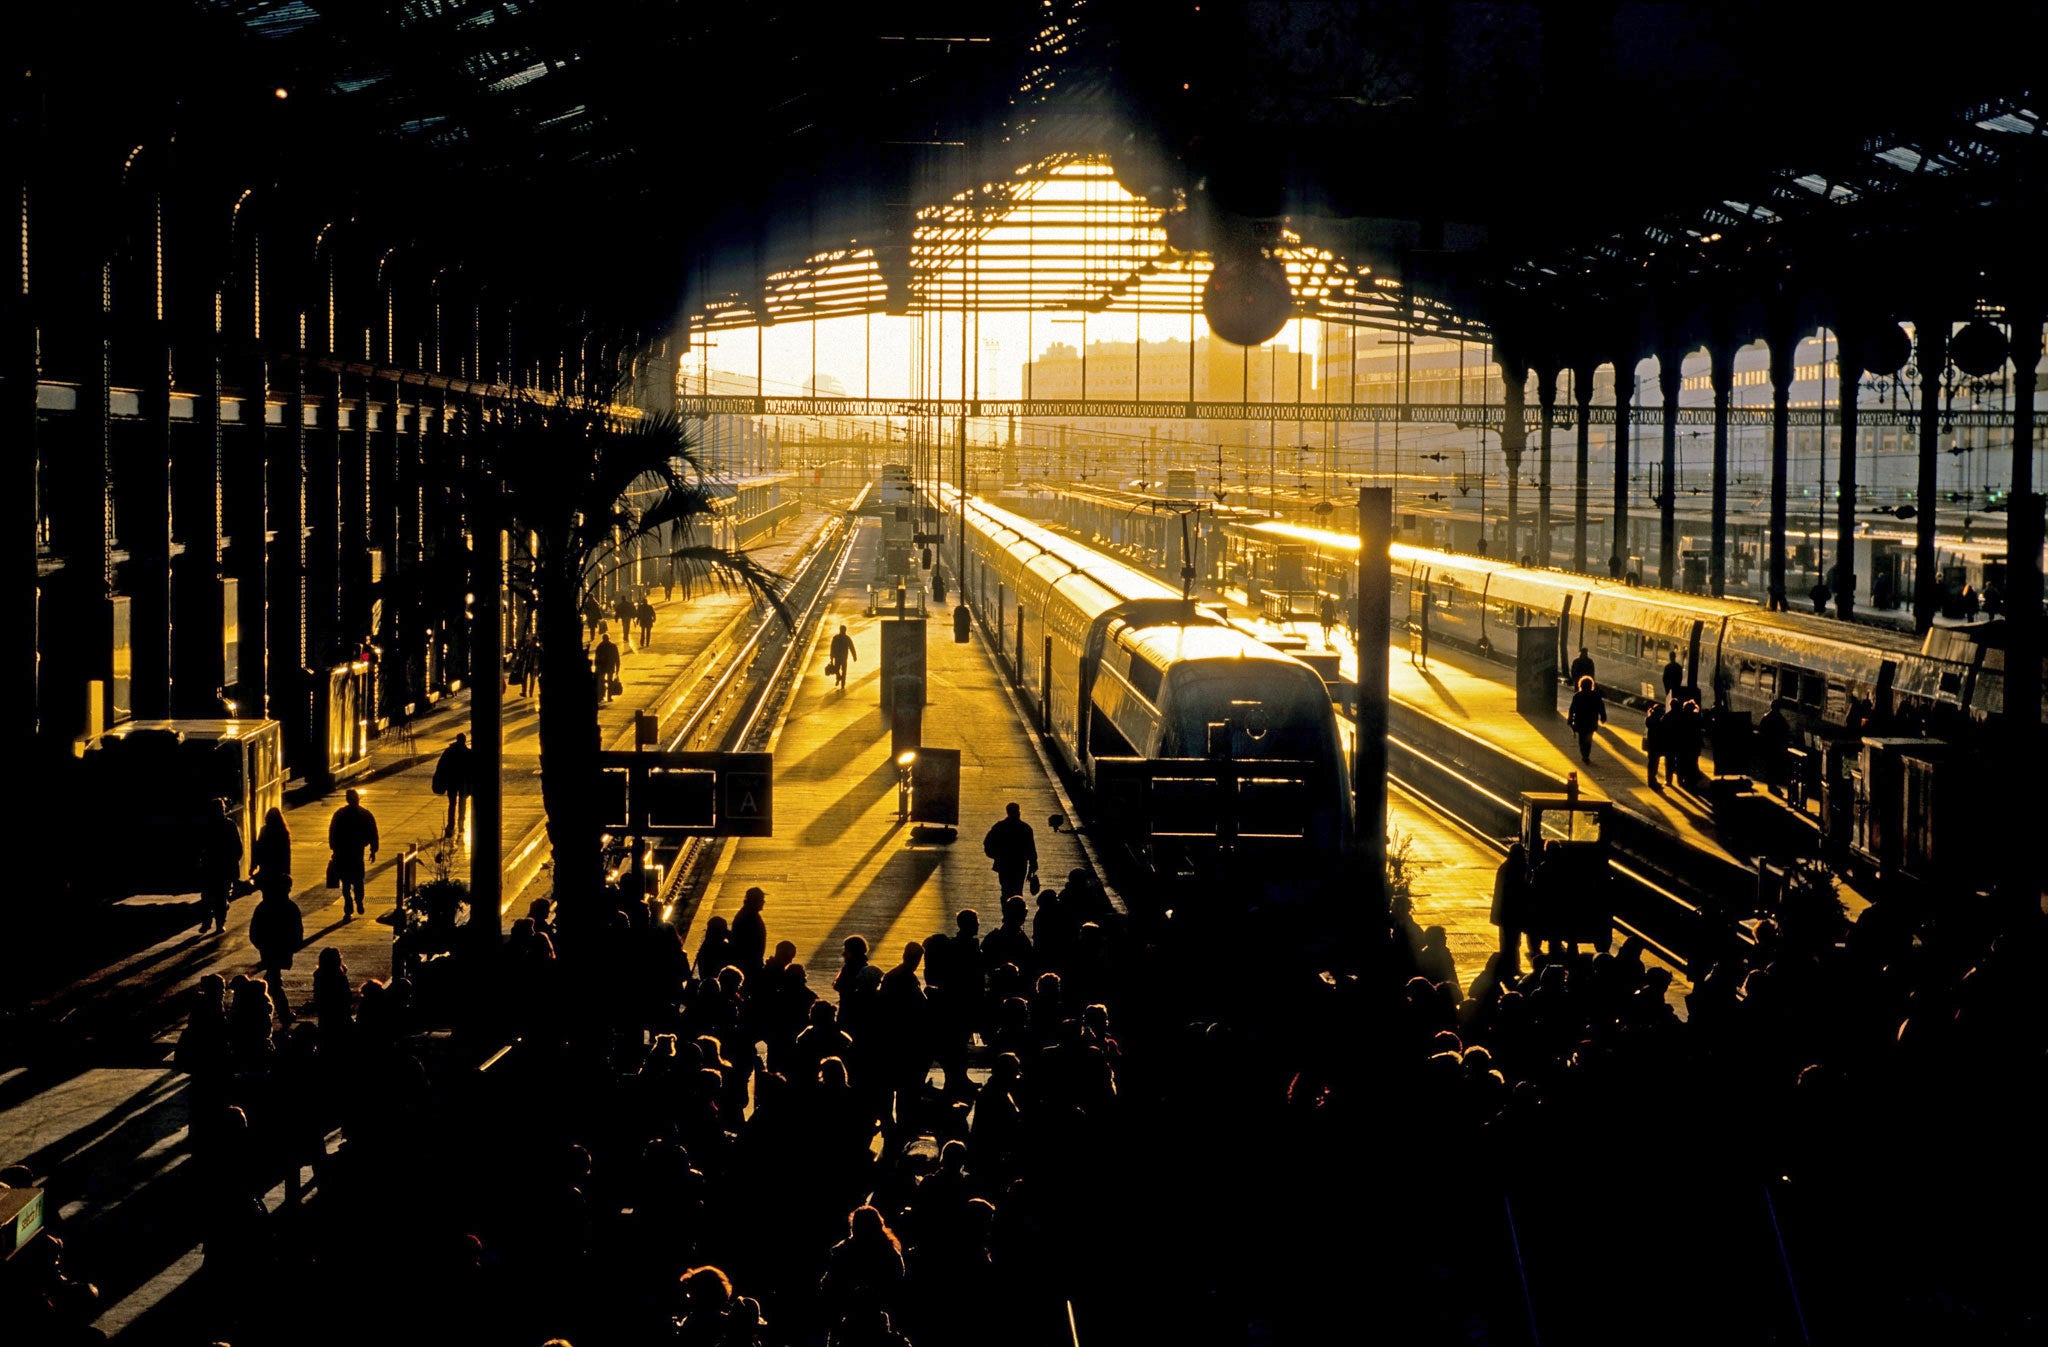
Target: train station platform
[841,862]
[112,1120]
[125,996]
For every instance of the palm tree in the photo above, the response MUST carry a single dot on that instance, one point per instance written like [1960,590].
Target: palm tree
[585,487]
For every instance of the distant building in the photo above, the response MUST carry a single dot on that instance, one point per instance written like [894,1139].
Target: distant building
[1162,371]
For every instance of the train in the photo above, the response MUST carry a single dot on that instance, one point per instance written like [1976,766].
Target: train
[1121,666]
[1744,658]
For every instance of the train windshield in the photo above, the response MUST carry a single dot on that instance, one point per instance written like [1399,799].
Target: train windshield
[1245,709]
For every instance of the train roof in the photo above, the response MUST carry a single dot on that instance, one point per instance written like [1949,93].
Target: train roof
[1171,644]
[207,729]
[1124,583]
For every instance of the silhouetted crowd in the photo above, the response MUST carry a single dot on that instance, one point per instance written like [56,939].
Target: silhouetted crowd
[1829,1146]
[1207,1130]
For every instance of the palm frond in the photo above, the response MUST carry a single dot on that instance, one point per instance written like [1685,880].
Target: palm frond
[704,566]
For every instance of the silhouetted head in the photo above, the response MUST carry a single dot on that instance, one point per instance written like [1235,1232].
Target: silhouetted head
[462,741]
[824,1014]
[1014,910]
[1584,651]
[351,796]
[1586,683]
[717,926]
[865,1224]
[756,898]
[706,1288]
[856,947]
[832,1073]
[1011,810]
[785,952]
[969,921]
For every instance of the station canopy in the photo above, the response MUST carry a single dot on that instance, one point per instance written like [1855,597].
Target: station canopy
[1444,166]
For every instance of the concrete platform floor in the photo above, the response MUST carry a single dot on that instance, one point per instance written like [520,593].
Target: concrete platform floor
[840,862]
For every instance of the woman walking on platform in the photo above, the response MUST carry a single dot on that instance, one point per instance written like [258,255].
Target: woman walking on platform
[277,928]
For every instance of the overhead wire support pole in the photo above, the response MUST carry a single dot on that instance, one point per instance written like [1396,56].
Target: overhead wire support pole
[1373,624]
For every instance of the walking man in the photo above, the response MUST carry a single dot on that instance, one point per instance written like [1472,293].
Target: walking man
[1327,615]
[645,613]
[352,829]
[843,654]
[529,666]
[1674,675]
[451,778]
[1588,713]
[622,612]
[1013,849]
[606,660]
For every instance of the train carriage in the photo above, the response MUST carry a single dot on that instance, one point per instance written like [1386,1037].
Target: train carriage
[1120,665]
[1740,655]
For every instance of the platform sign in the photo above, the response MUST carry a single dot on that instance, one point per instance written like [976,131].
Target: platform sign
[935,786]
[688,794]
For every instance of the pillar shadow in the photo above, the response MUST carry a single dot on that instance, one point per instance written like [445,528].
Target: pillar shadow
[883,900]
[1443,693]
[842,813]
[823,762]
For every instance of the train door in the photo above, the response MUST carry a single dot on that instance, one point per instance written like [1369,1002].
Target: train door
[1485,641]
[1724,677]
[1887,673]
[1692,654]
[1564,637]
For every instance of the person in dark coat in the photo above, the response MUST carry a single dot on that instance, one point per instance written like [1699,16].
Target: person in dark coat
[843,655]
[1687,733]
[605,660]
[1582,667]
[277,928]
[1674,675]
[352,829]
[643,612]
[270,863]
[749,942]
[623,614]
[1656,732]
[220,868]
[1588,713]
[1513,904]
[451,778]
[1327,615]
[1774,737]
[1010,845]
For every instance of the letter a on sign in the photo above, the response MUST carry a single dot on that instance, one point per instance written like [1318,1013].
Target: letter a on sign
[749,804]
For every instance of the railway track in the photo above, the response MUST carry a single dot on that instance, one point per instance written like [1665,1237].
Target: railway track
[1662,903]
[740,708]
